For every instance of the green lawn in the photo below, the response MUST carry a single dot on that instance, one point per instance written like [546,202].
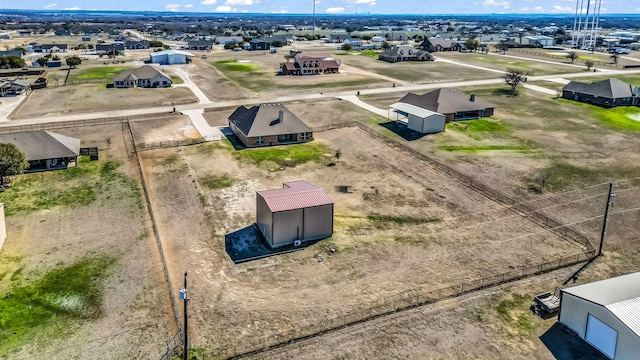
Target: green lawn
[91,181]
[177,80]
[217,181]
[48,304]
[615,118]
[97,72]
[279,157]
[478,129]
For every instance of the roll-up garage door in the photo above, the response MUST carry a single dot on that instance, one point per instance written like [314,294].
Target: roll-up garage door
[601,336]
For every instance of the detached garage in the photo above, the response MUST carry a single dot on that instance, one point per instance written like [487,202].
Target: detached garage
[606,314]
[298,212]
[418,119]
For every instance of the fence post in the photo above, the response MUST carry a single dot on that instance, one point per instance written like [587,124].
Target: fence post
[440,294]
[503,276]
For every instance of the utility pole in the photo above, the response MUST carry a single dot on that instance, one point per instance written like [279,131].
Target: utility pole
[610,198]
[314,18]
[185,299]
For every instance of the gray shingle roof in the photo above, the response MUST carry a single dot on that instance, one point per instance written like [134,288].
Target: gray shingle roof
[262,120]
[446,101]
[610,88]
[144,72]
[40,145]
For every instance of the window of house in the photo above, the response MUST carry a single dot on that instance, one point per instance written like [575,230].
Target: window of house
[260,140]
[305,136]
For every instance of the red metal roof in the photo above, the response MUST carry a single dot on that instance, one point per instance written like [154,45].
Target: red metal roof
[295,195]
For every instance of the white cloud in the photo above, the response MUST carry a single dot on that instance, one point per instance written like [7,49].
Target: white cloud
[73,8]
[538,8]
[370,2]
[335,10]
[557,8]
[172,7]
[188,6]
[225,8]
[238,2]
[208,2]
[50,6]
[524,9]
[502,4]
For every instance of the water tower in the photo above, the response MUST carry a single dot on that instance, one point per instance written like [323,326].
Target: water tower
[585,23]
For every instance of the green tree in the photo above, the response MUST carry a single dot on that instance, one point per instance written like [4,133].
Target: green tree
[513,78]
[386,45]
[12,161]
[155,44]
[366,37]
[346,47]
[21,49]
[472,44]
[55,58]
[277,43]
[572,55]
[74,61]
[502,47]
[12,62]
[42,61]
[589,64]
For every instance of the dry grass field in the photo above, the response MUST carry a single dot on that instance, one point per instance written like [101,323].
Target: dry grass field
[401,227]
[80,256]
[498,62]
[170,128]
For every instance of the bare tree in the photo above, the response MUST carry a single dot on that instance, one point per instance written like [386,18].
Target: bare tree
[614,58]
[108,139]
[55,78]
[502,47]
[515,77]
[589,64]
[338,155]
[572,55]
[541,179]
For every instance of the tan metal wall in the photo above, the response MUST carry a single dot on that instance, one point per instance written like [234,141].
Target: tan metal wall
[287,227]
[318,222]
[574,313]
[264,218]
[3,227]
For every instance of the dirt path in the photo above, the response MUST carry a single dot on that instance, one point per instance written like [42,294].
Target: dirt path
[350,69]
[188,83]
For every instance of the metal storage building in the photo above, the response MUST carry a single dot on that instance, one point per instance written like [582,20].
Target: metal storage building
[171,57]
[606,314]
[419,119]
[298,212]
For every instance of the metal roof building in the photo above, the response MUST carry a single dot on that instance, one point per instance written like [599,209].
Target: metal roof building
[606,314]
[419,119]
[298,212]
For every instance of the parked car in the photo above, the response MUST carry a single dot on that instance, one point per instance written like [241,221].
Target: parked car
[623,51]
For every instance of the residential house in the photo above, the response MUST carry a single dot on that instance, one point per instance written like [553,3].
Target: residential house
[5,36]
[146,76]
[285,39]
[45,150]
[354,42]
[17,53]
[434,44]
[399,53]
[259,44]
[86,38]
[451,102]
[50,48]
[228,40]
[396,36]
[203,45]
[307,65]
[136,44]
[268,124]
[171,57]
[63,32]
[298,212]
[14,87]
[110,49]
[24,33]
[608,93]
[337,38]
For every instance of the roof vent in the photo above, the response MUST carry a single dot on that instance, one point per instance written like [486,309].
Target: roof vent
[472,98]
[281,116]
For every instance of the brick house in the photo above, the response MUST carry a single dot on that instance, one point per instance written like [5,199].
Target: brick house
[268,124]
[606,93]
[452,103]
[307,65]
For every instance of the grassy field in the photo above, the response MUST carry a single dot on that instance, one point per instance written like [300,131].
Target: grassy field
[177,80]
[279,157]
[615,118]
[96,72]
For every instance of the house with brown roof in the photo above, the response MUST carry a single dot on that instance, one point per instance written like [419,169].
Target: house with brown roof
[146,76]
[606,93]
[268,124]
[45,150]
[434,44]
[308,65]
[296,213]
[452,103]
[399,53]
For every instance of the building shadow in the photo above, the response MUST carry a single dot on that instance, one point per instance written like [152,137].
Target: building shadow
[565,345]
[248,244]
[235,141]
[403,131]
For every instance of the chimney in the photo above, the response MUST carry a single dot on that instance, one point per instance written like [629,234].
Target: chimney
[473,97]
[281,116]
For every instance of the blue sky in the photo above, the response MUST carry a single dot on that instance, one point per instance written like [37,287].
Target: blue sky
[330,6]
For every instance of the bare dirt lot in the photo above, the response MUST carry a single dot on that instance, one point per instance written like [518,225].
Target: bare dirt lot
[170,128]
[90,213]
[446,236]
[96,97]
[497,61]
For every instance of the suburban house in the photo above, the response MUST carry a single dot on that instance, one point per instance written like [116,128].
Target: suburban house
[434,44]
[171,57]
[285,39]
[16,53]
[268,124]
[338,38]
[45,150]
[396,36]
[63,32]
[605,315]
[307,65]
[146,76]
[136,45]
[452,103]
[608,93]
[298,212]
[418,119]
[110,49]
[14,87]
[50,48]
[259,44]
[205,45]
[399,53]
[228,40]
[353,41]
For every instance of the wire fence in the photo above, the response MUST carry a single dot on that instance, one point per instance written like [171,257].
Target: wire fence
[564,57]
[403,301]
[63,124]
[168,144]
[89,80]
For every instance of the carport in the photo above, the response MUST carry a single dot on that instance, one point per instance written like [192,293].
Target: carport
[416,118]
